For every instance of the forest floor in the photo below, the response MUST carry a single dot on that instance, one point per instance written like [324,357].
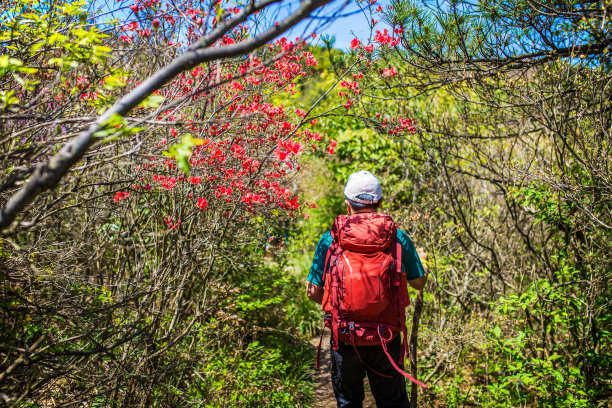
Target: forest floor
[324,395]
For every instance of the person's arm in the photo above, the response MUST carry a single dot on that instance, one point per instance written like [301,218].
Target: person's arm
[314,286]
[314,292]
[419,283]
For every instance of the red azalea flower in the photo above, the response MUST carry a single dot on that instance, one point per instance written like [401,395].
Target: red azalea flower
[120,196]
[202,203]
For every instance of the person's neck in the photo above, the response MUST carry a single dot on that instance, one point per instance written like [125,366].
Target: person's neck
[353,212]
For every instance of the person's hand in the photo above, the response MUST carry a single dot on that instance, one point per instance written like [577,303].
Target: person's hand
[423,257]
[422,254]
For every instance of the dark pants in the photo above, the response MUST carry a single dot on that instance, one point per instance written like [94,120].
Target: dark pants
[348,372]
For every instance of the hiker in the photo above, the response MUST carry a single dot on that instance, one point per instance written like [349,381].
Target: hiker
[361,254]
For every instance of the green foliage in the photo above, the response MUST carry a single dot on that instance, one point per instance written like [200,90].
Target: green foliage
[49,39]
[546,205]
[535,365]
[301,313]
[115,127]
[269,373]
[535,244]
[182,151]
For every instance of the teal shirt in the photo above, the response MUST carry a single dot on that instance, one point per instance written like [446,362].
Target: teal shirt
[411,264]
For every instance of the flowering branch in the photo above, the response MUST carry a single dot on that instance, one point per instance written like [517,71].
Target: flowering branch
[49,173]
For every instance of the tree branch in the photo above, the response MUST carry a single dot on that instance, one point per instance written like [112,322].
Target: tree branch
[48,174]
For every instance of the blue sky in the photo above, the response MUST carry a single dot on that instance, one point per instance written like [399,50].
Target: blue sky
[345,19]
[349,23]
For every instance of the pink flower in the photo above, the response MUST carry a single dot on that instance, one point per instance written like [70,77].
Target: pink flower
[310,59]
[355,43]
[389,72]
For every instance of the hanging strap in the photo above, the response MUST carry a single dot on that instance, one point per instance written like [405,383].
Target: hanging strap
[384,342]
[401,301]
[362,362]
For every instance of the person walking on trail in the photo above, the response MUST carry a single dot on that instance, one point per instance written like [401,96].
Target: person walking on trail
[360,274]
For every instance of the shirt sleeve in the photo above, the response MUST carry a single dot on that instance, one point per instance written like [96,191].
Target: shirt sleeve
[410,259]
[318,262]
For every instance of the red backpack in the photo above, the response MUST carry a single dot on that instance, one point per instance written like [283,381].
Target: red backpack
[365,290]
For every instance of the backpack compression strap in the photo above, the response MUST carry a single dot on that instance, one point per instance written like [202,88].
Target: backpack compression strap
[384,342]
[335,276]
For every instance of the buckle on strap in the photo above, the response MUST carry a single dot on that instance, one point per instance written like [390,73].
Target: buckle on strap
[381,334]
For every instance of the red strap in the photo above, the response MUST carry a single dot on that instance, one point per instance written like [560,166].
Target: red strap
[399,370]
[327,261]
[400,304]
[335,305]
[398,257]
[369,368]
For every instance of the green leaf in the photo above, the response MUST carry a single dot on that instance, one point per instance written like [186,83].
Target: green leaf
[114,120]
[181,152]
[31,16]
[55,37]
[152,101]
[7,62]
[112,82]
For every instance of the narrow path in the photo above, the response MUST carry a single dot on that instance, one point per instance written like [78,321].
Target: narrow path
[324,394]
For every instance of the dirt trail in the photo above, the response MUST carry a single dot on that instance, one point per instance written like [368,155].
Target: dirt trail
[324,395]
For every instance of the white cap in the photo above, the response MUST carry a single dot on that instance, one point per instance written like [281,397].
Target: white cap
[363,187]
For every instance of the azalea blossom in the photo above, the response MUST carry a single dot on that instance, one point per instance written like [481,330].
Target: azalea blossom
[202,203]
[120,196]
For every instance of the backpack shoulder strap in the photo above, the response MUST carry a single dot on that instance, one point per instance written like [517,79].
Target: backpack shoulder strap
[326,265]
[398,256]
